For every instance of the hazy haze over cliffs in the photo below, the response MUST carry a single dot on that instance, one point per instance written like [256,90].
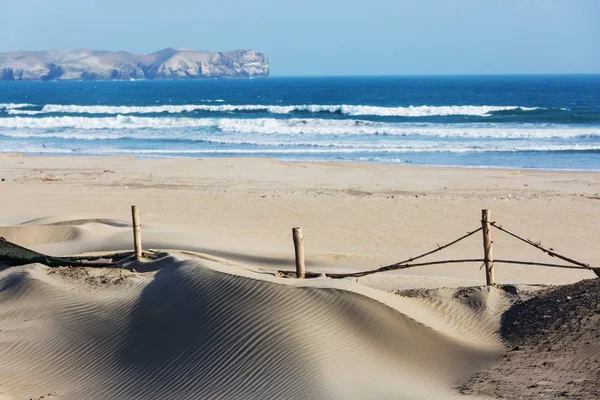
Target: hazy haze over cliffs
[169,63]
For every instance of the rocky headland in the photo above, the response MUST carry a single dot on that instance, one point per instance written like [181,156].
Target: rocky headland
[170,63]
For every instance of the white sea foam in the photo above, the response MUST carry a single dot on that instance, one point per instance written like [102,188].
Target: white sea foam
[296,126]
[283,150]
[13,106]
[427,149]
[351,110]
[24,112]
[116,122]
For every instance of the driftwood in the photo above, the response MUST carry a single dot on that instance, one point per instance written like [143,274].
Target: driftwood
[14,255]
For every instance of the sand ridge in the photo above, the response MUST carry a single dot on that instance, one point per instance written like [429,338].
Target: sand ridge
[191,331]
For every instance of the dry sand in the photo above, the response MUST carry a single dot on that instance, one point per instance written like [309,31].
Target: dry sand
[215,321]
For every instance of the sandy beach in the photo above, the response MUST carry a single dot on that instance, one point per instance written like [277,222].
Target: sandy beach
[208,317]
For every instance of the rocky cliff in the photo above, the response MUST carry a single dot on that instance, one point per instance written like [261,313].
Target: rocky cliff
[171,63]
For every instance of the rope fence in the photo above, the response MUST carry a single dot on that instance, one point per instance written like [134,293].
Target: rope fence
[538,246]
[487,261]
[405,264]
[16,255]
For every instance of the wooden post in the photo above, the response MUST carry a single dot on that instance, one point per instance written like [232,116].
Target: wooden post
[137,232]
[488,256]
[299,247]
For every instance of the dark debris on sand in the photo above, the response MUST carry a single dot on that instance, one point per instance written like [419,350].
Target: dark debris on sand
[555,347]
[100,278]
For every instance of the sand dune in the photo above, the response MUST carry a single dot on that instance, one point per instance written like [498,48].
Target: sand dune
[194,331]
[207,317]
[201,327]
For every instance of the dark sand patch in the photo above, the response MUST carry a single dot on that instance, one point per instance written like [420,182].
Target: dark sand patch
[555,347]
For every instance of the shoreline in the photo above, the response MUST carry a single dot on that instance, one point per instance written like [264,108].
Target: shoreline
[283,160]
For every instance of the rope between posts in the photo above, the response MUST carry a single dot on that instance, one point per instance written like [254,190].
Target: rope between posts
[459,261]
[595,269]
[551,253]
[405,264]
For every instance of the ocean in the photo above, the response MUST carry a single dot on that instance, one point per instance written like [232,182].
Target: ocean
[542,122]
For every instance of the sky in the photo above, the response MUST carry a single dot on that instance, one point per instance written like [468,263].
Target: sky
[328,37]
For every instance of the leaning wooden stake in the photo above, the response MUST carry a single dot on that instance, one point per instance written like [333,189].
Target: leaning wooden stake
[488,257]
[299,247]
[137,232]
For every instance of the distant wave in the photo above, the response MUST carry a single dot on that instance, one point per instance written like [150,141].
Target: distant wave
[117,122]
[313,149]
[164,128]
[351,110]
[14,106]
[18,111]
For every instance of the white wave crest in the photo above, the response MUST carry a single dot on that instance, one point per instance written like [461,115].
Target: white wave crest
[13,106]
[117,122]
[120,125]
[24,112]
[271,126]
[351,110]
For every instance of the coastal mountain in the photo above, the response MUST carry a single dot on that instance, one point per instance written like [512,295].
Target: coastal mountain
[170,63]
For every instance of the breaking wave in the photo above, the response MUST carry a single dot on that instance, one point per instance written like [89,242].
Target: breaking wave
[345,109]
[117,122]
[14,106]
[121,126]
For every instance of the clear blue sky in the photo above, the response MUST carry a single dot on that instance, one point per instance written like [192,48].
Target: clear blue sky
[328,37]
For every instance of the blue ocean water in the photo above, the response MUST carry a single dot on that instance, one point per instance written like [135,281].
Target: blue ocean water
[547,122]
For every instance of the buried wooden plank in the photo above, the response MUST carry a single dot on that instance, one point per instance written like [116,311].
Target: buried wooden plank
[12,254]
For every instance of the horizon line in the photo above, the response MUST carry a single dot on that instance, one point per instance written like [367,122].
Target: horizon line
[433,75]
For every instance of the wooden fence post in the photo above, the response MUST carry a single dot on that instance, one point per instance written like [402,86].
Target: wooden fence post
[299,247]
[488,256]
[137,232]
